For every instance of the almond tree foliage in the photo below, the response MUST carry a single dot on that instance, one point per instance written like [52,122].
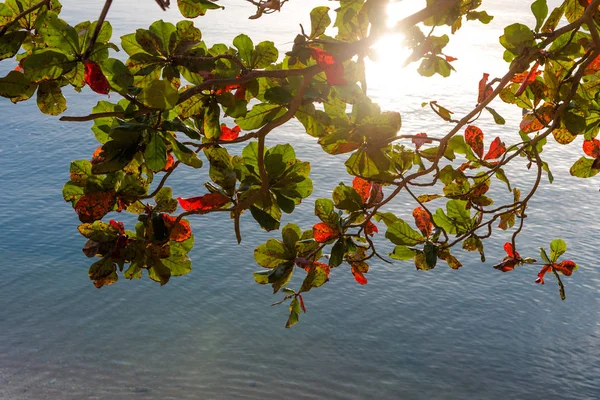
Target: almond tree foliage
[175,90]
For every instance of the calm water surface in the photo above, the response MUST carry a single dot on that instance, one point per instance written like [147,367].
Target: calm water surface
[473,333]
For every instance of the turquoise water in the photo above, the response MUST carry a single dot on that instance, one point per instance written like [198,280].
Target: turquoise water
[472,333]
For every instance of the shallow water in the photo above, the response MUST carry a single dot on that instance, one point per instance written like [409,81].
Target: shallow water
[471,333]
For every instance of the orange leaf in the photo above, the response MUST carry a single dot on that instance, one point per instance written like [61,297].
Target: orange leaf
[334,70]
[359,276]
[363,188]
[529,79]
[207,202]
[423,221]
[565,267]
[540,278]
[371,228]
[484,92]
[94,77]
[93,206]
[229,133]
[531,123]
[170,162]
[593,67]
[508,247]
[323,232]
[592,148]
[474,138]
[418,142]
[180,232]
[497,148]
[450,58]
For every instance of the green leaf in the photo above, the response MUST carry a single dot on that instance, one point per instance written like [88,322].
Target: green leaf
[245,48]
[497,117]
[317,276]
[260,115]
[196,8]
[401,233]
[337,253]
[50,99]
[516,38]
[540,10]
[431,254]
[103,272]
[325,212]
[165,202]
[278,95]
[294,313]
[58,34]
[544,256]
[279,158]
[403,253]
[211,123]
[264,55]
[557,249]
[291,234]
[583,168]
[163,31]
[346,198]
[10,43]
[319,21]
[15,85]
[159,272]
[156,152]
[46,64]
[159,94]
[272,253]
[184,154]
[118,75]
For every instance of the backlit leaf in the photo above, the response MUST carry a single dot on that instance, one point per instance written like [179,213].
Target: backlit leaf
[474,138]
[206,202]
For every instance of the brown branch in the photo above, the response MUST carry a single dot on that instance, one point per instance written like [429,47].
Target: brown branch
[250,76]
[97,30]
[109,114]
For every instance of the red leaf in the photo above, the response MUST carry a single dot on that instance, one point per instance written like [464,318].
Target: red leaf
[497,148]
[508,247]
[118,226]
[592,148]
[170,162]
[511,261]
[227,88]
[301,303]
[474,138]
[323,232]
[450,58]
[529,79]
[240,93]
[359,276]
[593,67]
[180,232]
[484,91]
[371,228]
[334,70]
[207,202]
[93,206]
[363,188]
[229,133]
[94,77]
[540,278]
[418,142]
[565,267]
[423,221]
